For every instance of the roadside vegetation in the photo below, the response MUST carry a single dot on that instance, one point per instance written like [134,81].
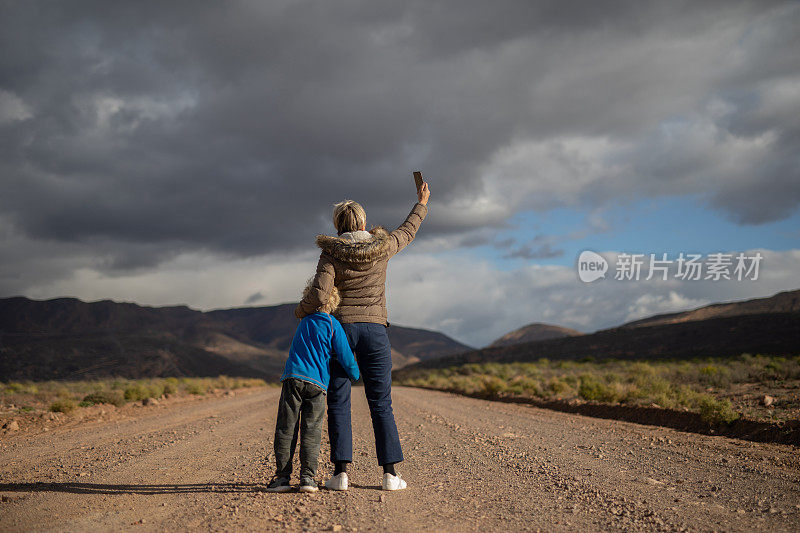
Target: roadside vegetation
[67,396]
[755,387]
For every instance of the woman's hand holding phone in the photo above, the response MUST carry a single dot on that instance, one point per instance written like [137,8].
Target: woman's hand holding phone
[423,193]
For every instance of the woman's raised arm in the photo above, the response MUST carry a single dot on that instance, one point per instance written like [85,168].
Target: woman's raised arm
[402,236]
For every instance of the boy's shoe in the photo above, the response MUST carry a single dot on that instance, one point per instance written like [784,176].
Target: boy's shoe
[391,482]
[337,482]
[308,484]
[279,484]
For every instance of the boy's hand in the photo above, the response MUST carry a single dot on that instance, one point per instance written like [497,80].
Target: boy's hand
[423,194]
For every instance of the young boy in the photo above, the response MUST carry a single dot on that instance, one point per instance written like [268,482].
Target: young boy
[305,381]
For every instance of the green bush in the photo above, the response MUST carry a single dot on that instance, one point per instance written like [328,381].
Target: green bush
[155,389]
[558,387]
[63,406]
[15,387]
[141,391]
[194,387]
[716,411]
[698,385]
[113,397]
[593,390]
[493,385]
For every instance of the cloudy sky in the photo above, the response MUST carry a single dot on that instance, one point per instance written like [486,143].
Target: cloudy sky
[189,152]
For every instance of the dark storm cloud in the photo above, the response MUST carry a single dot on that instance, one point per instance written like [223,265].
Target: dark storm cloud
[254,298]
[232,127]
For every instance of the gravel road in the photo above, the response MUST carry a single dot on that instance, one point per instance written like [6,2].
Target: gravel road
[471,465]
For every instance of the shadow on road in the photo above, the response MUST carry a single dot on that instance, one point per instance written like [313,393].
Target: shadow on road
[101,488]
[373,487]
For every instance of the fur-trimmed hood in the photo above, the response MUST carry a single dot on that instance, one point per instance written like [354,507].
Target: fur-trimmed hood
[365,251]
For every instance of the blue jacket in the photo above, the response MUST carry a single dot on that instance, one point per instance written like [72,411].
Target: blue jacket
[318,338]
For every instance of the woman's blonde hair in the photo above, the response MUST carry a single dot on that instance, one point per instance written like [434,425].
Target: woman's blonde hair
[333,299]
[349,216]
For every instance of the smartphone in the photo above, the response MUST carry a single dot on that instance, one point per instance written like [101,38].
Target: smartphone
[418,180]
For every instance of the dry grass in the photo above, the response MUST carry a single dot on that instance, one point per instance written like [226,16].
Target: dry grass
[722,390]
[66,396]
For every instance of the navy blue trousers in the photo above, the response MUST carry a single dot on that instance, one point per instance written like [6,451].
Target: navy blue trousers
[370,344]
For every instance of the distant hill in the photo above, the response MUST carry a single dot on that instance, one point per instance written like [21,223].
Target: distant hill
[783,302]
[535,332]
[66,338]
[729,331]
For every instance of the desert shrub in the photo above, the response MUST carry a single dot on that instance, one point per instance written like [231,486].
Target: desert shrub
[683,372]
[774,369]
[663,399]
[686,396]
[62,391]
[155,389]
[15,387]
[515,388]
[194,387]
[716,411]
[565,365]
[793,368]
[633,394]
[715,375]
[472,368]
[113,397]
[136,391]
[441,381]
[642,369]
[254,382]
[63,406]
[593,389]
[654,385]
[493,385]
[222,382]
[709,370]
[559,387]
[674,384]
[525,386]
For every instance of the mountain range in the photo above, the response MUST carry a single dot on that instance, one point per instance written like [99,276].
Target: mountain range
[783,302]
[66,338]
[534,332]
[763,325]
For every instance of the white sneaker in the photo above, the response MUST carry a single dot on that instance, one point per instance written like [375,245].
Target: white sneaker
[337,482]
[391,482]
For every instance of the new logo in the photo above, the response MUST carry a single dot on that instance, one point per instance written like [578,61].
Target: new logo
[591,266]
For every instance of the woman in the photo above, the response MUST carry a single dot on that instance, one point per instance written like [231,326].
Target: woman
[355,263]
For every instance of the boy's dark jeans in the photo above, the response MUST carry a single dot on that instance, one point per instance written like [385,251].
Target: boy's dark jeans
[301,406]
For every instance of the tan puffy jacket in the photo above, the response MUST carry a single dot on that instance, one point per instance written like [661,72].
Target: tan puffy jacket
[358,270]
